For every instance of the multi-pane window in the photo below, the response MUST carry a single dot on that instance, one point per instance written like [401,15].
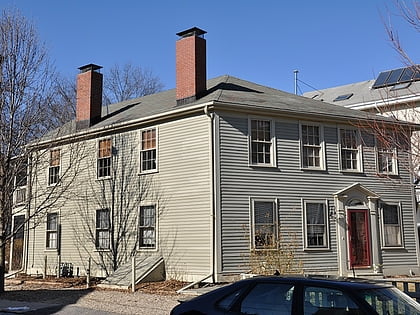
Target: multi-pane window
[104,158]
[20,184]
[148,150]
[350,150]
[52,231]
[54,168]
[264,224]
[102,229]
[262,142]
[315,225]
[147,227]
[311,146]
[387,161]
[391,225]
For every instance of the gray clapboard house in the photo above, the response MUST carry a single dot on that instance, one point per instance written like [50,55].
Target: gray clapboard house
[202,174]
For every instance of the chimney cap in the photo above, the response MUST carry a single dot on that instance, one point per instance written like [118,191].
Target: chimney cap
[89,67]
[194,31]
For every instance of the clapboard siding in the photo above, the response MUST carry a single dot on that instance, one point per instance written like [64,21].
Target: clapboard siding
[289,184]
[180,188]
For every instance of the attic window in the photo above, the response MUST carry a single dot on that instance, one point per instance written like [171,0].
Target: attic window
[343,97]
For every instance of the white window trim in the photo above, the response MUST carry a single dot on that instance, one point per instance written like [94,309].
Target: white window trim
[394,161]
[98,249]
[97,158]
[140,151]
[252,201]
[383,245]
[360,168]
[48,249]
[148,249]
[273,151]
[322,158]
[306,247]
[49,166]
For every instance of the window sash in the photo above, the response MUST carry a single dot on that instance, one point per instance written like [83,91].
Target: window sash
[387,161]
[54,167]
[392,227]
[350,149]
[52,231]
[148,150]
[311,146]
[104,158]
[103,229]
[264,224]
[147,227]
[316,225]
[261,142]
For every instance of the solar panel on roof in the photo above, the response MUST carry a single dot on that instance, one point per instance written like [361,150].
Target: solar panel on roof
[397,76]
[407,74]
[394,77]
[380,81]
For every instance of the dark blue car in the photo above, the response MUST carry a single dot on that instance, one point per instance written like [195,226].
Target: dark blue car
[306,295]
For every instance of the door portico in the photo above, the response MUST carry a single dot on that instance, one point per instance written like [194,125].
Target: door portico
[357,230]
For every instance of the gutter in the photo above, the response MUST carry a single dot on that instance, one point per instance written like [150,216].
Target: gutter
[125,125]
[377,104]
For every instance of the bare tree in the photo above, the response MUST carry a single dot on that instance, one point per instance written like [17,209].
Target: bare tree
[128,81]
[121,83]
[26,91]
[113,228]
[24,87]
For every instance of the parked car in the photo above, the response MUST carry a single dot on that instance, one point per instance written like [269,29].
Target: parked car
[305,295]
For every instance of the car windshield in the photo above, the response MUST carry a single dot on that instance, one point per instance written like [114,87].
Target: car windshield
[390,301]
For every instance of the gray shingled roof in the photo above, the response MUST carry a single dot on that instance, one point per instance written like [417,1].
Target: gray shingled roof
[226,90]
[363,95]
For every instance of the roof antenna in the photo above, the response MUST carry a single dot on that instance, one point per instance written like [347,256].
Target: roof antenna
[296,80]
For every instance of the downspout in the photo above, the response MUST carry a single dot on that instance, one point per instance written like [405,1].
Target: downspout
[212,199]
[28,213]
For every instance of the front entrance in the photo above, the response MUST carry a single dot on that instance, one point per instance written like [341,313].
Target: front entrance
[358,238]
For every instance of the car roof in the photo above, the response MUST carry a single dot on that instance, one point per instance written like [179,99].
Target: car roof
[334,281]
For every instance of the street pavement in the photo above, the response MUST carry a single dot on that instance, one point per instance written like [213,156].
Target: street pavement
[22,307]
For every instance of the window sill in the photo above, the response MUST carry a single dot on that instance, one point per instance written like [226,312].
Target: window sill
[261,166]
[147,249]
[103,178]
[382,174]
[393,247]
[148,172]
[352,172]
[51,250]
[316,169]
[102,250]
[317,249]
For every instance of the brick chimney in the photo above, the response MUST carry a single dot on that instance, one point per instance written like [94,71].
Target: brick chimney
[89,96]
[190,65]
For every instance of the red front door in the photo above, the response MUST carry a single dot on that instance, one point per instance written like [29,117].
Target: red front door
[358,236]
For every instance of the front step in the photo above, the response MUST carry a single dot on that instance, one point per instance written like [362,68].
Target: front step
[148,268]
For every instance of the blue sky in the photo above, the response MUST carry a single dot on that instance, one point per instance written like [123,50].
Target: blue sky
[330,42]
